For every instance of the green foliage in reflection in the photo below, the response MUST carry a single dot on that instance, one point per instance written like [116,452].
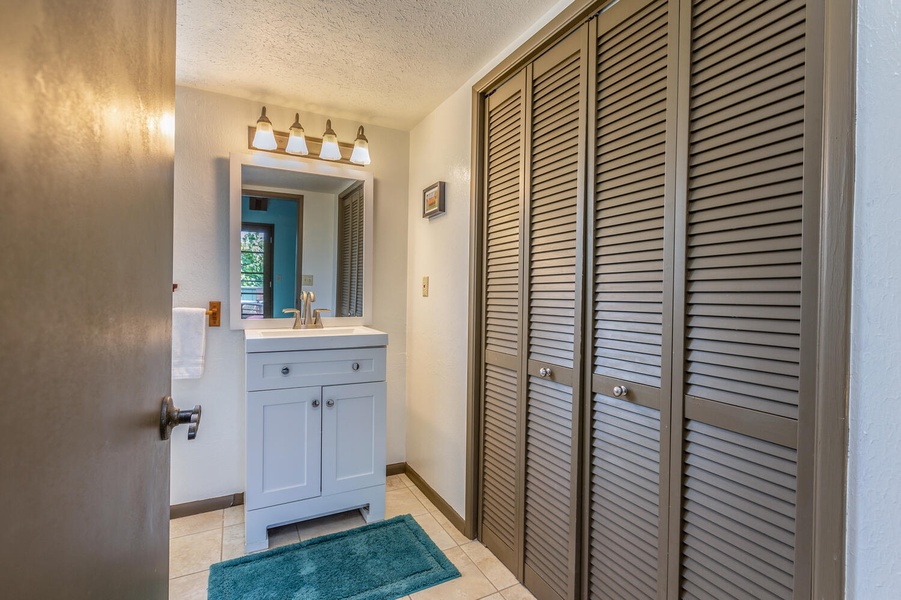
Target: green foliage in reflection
[253,244]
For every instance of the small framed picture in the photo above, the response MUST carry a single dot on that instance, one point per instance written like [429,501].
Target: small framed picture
[433,200]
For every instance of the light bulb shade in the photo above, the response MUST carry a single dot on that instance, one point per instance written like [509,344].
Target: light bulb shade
[297,142]
[330,150]
[360,154]
[264,138]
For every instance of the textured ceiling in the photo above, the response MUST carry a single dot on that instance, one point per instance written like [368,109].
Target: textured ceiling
[385,62]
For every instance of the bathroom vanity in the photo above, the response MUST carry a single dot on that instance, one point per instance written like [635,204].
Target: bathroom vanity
[315,426]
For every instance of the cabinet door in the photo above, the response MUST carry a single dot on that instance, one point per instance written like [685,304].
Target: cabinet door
[353,437]
[284,436]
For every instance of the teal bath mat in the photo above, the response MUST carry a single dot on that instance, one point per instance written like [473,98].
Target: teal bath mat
[379,561]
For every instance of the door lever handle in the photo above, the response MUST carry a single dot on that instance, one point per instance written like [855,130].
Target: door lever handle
[171,417]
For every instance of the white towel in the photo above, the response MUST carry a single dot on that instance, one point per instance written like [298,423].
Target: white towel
[188,342]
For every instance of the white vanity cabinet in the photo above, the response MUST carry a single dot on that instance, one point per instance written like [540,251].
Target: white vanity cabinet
[315,436]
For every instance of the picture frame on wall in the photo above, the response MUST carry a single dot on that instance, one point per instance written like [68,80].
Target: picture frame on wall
[433,200]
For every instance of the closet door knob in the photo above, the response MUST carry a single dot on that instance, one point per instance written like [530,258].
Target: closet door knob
[544,371]
[330,403]
[285,370]
[620,390]
[315,403]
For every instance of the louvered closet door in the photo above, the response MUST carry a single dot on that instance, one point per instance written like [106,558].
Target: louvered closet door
[631,296]
[555,191]
[749,254]
[350,253]
[504,180]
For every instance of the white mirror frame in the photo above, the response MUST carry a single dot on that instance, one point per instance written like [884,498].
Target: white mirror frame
[299,165]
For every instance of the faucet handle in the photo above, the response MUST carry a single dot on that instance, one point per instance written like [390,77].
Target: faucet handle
[317,315]
[290,310]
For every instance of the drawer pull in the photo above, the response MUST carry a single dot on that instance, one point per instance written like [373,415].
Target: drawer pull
[355,366]
[315,403]
[330,403]
[285,370]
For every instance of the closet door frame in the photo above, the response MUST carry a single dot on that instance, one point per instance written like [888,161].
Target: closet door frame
[825,443]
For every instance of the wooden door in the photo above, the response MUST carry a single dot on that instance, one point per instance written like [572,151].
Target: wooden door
[631,300]
[284,442]
[86,188]
[353,436]
[532,265]
[552,318]
[499,502]
[746,263]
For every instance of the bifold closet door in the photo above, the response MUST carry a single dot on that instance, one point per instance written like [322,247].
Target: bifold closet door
[534,213]
[557,83]
[746,282]
[499,502]
[631,296]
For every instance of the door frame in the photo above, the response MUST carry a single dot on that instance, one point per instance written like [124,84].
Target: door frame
[830,423]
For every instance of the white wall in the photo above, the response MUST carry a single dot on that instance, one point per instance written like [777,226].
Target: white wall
[437,325]
[320,247]
[207,127]
[874,468]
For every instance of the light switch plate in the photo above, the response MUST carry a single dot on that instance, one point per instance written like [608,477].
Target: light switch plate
[306,280]
[425,287]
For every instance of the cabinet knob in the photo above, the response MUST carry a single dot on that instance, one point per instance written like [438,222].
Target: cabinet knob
[544,371]
[330,403]
[285,370]
[315,403]
[620,390]
[355,366]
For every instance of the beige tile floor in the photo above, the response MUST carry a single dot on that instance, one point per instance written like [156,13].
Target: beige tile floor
[199,541]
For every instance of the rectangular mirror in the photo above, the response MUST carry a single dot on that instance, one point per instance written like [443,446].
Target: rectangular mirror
[298,225]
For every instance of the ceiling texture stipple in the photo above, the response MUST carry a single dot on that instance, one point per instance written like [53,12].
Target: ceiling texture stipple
[384,62]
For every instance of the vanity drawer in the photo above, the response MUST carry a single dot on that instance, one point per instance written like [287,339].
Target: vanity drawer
[274,370]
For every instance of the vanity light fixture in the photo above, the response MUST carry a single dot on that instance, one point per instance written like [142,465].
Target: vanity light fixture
[330,150]
[297,143]
[360,154]
[264,138]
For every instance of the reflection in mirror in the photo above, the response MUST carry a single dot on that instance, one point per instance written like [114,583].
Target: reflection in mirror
[296,229]
[269,262]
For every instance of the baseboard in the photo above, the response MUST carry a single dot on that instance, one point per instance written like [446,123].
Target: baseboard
[395,469]
[439,502]
[176,511]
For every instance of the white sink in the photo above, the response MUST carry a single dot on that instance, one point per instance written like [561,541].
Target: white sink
[283,340]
